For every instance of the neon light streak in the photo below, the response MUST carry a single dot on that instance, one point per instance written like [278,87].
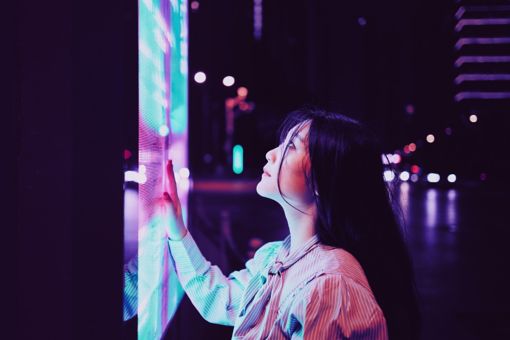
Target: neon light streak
[481,22]
[481,77]
[481,41]
[237,159]
[481,95]
[478,59]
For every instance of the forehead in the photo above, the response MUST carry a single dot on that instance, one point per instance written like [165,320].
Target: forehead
[302,131]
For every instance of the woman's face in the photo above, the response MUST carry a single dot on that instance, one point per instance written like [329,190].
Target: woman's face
[292,176]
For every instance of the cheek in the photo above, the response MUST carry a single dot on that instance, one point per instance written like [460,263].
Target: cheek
[293,178]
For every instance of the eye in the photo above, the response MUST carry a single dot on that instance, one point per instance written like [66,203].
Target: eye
[291,145]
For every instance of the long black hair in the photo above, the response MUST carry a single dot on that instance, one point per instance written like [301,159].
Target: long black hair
[356,210]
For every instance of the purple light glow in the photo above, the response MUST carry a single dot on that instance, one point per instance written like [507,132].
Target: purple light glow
[463,9]
[481,22]
[257,19]
[481,95]
[481,41]
[481,59]
[481,77]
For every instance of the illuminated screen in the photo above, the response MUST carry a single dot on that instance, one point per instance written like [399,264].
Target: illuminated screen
[162,134]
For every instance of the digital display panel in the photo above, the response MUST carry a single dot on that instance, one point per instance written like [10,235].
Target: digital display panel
[162,134]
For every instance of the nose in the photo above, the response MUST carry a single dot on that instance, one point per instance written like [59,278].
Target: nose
[270,155]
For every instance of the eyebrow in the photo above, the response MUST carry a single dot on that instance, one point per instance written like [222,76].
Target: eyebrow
[300,138]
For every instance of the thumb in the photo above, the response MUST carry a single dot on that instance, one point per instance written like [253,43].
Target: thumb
[172,204]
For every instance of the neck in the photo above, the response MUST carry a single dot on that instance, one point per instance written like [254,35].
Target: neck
[301,226]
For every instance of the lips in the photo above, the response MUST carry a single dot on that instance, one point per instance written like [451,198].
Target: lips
[266,172]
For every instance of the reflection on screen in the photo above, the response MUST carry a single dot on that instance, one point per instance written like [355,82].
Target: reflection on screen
[163,134]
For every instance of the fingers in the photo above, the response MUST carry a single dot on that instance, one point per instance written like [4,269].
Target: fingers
[167,202]
[165,209]
[166,197]
[162,204]
[172,186]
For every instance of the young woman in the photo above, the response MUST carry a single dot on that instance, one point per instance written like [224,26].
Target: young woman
[344,270]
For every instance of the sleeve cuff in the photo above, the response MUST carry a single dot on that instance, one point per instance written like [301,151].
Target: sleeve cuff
[187,256]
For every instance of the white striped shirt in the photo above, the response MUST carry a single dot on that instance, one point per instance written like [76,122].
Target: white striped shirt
[317,292]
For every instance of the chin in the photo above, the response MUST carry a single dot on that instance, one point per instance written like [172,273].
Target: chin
[267,193]
[262,191]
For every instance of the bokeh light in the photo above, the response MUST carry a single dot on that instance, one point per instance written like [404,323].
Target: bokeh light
[200,77]
[451,178]
[433,177]
[242,91]
[404,176]
[228,81]
[389,175]
[164,130]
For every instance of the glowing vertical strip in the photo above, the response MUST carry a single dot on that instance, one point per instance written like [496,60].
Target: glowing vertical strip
[237,159]
[163,133]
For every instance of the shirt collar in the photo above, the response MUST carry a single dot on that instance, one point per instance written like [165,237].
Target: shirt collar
[285,259]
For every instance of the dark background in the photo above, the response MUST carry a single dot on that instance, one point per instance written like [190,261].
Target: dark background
[318,53]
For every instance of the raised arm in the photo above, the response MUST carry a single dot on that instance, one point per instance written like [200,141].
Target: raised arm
[216,297]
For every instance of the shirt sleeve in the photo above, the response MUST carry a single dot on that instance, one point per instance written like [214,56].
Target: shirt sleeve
[216,297]
[130,297]
[336,308]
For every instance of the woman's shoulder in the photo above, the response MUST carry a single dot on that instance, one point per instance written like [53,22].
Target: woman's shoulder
[267,252]
[338,289]
[342,289]
[341,264]
[339,293]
